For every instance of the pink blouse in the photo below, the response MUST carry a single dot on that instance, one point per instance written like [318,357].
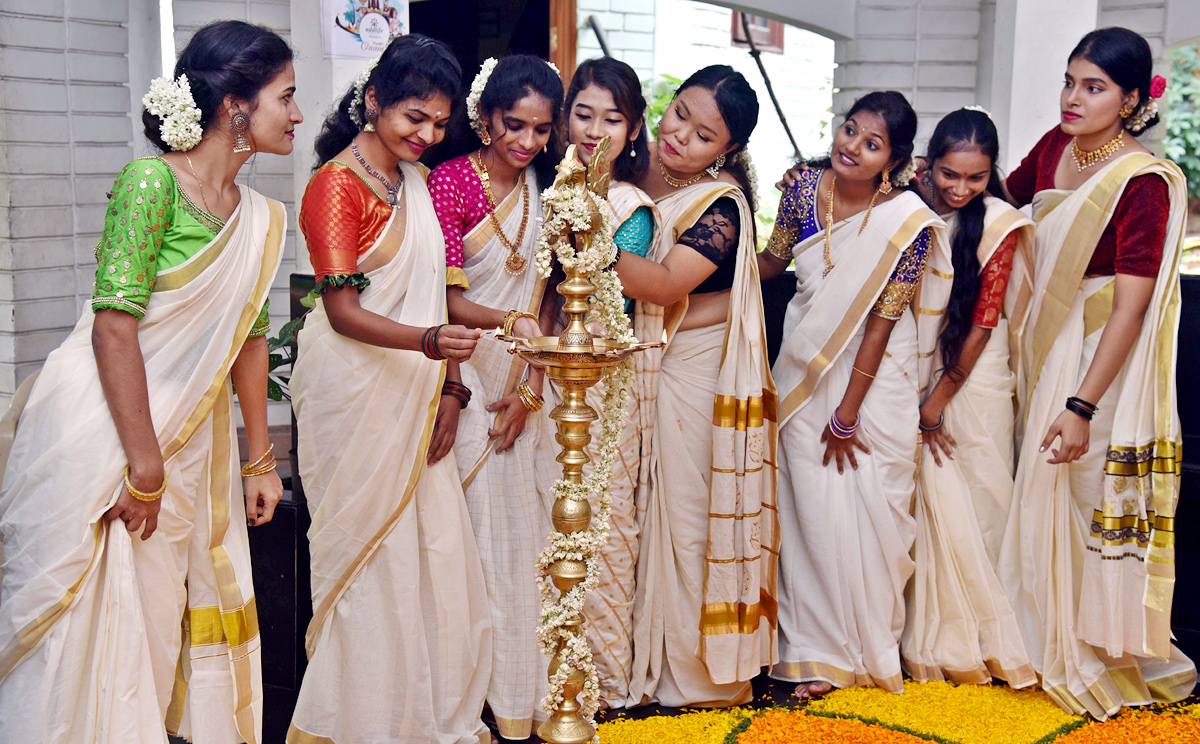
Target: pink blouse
[460,204]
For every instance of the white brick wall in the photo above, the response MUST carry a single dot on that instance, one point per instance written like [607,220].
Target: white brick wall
[64,132]
[926,49]
[629,27]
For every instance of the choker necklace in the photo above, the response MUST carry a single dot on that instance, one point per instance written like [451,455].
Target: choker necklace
[676,183]
[1087,158]
[515,263]
[392,191]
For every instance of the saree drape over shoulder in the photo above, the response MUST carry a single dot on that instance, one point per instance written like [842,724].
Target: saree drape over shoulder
[400,643]
[1088,555]
[608,609]
[704,615]
[508,494]
[959,624]
[845,558]
[104,636]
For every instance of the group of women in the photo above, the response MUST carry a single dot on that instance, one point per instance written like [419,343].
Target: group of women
[963,464]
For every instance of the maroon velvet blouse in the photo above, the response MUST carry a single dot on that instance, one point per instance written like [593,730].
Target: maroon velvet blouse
[1132,243]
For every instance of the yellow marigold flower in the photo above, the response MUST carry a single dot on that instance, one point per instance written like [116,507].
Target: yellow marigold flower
[968,714]
[699,727]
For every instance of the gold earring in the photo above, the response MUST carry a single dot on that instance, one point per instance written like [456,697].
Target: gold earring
[1126,111]
[371,115]
[486,137]
[239,122]
[546,147]
[885,186]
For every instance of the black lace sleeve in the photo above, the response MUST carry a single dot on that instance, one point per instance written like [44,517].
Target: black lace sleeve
[715,234]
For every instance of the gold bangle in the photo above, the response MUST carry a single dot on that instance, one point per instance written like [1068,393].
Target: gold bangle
[529,399]
[511,318]
[260,461]
[864,374]
[260,470]
[142,495]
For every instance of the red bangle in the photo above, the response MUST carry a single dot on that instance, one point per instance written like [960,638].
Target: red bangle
[429,343]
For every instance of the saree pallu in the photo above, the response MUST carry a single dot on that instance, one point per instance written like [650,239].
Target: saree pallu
[958,622]
[845,558]
[105,637]
[508,494]
[399,645]
[1088,555]
[704,614]
[608,609]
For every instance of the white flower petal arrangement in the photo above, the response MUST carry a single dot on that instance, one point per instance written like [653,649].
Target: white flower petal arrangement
[751,176]
[172,102]
[477,86]
[903,178]
[572,210]
[360,88]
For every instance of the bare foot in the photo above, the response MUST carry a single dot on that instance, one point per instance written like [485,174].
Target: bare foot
[495,740]
[814,689]
[603,705]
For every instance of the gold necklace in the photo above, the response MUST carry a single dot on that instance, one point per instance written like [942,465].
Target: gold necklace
[203,198]
[1085,159]
[676,183]
[829,220]
[515,263]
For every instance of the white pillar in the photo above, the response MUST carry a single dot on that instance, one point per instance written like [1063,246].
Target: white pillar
[1030,43]
[320,84]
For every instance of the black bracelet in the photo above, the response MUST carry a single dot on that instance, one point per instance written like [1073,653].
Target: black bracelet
[616,257]
[1089,406]
[1079,408]
[941,420]
[429,343]
[458,390]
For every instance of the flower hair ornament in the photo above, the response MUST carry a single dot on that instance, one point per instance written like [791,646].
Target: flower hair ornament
[905,176]
[1139,120]
[751,176]
[979,109]
[477,86]
[360,88]
[171,101]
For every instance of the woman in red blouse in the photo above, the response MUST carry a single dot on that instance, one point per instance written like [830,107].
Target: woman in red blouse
[1088,555]
[392,654]
[959,625]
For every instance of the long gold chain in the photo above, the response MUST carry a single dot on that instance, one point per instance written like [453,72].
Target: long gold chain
[192,168]
[829,220]
[515,263]
[676,183]
[1085,159]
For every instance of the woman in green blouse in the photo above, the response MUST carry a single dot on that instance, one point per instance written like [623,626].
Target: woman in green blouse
[104,638]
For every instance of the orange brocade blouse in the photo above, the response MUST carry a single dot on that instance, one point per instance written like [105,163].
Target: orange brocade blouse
[341,218]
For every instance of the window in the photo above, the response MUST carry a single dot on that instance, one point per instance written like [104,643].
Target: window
[767,34]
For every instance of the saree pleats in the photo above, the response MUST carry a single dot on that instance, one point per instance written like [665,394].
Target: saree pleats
[124,640]
[507,493]
[959,624]
[399,646]
[1088,555]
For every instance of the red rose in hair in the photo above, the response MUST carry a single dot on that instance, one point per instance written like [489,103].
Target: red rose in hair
[1158,86]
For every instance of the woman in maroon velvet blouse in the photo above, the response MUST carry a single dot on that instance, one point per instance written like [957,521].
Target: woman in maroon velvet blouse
[1088,554]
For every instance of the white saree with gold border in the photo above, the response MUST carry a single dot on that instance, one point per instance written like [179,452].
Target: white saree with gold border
[1088,558]
[959,624]
[508,494]
[704,615]
[608,609]
[105,637]
[846,538]
[400,641]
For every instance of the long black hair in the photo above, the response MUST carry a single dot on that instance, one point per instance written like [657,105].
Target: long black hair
[226,58]
[738,104]
[622,82]
[957,131]
[1125,57]
[412,66]
[901,121]
[514,77]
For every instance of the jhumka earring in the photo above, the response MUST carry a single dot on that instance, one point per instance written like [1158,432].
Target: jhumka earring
[885,186]
[714,170]
[486,137]
[1125,112]
[371,115]
[239,122]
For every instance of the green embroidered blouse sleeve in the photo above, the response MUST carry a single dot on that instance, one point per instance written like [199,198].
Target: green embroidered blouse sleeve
[262,324]
[635,234]
[138,214]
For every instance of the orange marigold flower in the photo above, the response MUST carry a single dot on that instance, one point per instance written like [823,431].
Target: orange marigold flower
[782,726]
[1175,727]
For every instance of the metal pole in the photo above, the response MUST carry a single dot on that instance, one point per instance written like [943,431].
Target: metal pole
[757,54]
[597,29]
